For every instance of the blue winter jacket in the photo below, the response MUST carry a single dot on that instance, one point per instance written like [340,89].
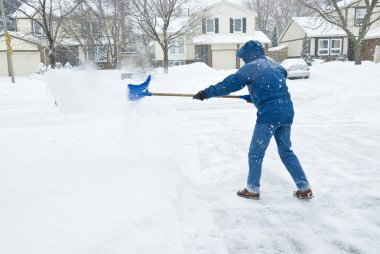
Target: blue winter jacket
[266,82]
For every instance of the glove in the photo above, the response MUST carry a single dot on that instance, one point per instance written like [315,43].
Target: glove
[247,98]
[201,95]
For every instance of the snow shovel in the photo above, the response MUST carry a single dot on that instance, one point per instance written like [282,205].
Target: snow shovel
[136,92]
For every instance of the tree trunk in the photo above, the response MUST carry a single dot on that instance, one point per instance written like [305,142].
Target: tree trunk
[358,52]
[115,60]
[52,58]
[166,60]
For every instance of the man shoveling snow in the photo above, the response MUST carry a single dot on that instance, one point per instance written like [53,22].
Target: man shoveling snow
[266,81]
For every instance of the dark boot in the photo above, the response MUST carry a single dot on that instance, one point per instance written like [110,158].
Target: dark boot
[303,194]
[247,194]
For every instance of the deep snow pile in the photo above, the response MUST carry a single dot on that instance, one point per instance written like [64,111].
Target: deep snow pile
[98,174]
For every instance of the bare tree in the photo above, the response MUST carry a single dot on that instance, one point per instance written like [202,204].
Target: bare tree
[263,9]
[284,10]
[84,27]
[99,27]
[48,15]
[275,13]
[164,21]
[112,14]
[336,14]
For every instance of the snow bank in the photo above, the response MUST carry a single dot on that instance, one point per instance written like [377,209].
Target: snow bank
[340,90]
[160,175]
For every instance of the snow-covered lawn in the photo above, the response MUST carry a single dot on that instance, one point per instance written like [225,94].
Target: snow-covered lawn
[99,174]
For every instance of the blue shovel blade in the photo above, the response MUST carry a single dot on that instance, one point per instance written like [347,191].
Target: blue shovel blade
[136,92]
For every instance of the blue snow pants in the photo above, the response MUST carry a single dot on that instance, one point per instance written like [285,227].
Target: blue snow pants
[260,141]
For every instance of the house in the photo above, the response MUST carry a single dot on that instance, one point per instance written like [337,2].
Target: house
[81,36]
[30,46]
[227,27]
[328,41]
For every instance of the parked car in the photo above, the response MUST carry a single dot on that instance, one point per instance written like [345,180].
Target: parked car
[296,68]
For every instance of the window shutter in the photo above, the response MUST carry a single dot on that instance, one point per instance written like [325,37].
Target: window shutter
[244,25]
[231,25]
[203,26]
[216,25]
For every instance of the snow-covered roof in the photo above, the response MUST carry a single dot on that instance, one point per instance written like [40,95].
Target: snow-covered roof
[24,11]
[345,3]
[231,38]
[61,7]
[373,34]
[212,2]
[42,41]
[26,37]
[236,3]
[174,25]
[318,27]
[278,48]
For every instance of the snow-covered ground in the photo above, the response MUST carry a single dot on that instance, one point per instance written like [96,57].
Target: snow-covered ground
[99,174]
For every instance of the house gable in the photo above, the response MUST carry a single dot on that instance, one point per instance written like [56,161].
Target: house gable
[232,5]
[292,32]
[226,12]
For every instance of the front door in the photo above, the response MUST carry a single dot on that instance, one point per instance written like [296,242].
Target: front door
[350,50]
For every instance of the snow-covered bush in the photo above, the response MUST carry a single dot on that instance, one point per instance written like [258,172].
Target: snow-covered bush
[58,65]
[68,66]
[41,69]
[341,57]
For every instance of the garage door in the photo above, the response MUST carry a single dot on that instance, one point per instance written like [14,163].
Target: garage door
[24,63]
[224,59]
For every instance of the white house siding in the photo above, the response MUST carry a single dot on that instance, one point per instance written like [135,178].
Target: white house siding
[345,45]
[224,11]
[24,25]
[294,47]
[189,53]
[293,32]
[293,38]
[25,57]
[312,46]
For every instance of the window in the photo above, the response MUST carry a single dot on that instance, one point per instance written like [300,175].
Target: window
[177,46]
[359,16]
[238,25]
[37,28]
[323,47]
[94,26]
[91,27]
[210,26]
[172,47]
[181,42]
[330,47]
[101,54]
[336,46]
